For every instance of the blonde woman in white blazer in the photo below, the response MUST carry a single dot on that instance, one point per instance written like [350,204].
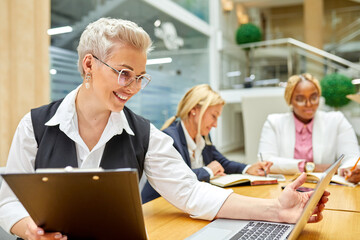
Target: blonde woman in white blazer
[331,134]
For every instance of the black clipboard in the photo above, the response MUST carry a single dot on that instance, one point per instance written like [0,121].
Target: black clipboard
[94,205]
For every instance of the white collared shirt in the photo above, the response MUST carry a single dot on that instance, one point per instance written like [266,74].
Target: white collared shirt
[66,118]
[164,167]
[195,150]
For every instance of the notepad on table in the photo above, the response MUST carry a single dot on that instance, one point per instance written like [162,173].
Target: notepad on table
[279,177]
[234,179]
[315,177]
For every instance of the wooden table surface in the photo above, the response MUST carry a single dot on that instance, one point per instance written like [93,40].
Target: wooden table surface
[336,198]
[341,215]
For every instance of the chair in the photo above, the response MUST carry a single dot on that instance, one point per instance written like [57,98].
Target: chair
[4,235]
[255,110]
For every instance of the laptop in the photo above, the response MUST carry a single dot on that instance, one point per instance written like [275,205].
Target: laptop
[95,205]
[222,229]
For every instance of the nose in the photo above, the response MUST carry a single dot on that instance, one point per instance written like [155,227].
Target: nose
[215,123]
[132,84]
[308,103]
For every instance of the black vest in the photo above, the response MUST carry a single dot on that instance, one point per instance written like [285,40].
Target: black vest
[56,150]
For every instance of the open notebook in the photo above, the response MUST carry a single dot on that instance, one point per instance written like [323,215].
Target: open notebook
[315,177]
[235,179]
[224,229]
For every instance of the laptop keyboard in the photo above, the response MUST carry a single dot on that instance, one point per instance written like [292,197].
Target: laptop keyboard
[261,231]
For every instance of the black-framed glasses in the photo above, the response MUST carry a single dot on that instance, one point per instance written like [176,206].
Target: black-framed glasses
[302,100]
[127,76]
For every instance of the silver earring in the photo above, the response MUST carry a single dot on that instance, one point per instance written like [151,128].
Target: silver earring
[87,78]
[193,114]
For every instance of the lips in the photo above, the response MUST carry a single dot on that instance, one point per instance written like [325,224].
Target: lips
[309,111]
[122,97]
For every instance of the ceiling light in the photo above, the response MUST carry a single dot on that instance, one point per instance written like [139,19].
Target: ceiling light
[227,5]
[158,61]
[59,30]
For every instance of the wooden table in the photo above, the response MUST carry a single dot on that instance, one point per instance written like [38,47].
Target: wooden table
[335,225]
[341,198]
[341,216]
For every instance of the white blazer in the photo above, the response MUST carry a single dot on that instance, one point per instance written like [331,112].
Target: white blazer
[332,136]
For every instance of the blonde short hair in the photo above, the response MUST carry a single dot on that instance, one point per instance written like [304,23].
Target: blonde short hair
[100,36]
[293,82]
[199,96]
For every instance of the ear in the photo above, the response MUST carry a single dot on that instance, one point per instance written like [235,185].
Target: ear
[192,112]
[87,63]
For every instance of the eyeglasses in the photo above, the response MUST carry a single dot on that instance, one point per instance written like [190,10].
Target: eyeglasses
[127,76]
[302,101]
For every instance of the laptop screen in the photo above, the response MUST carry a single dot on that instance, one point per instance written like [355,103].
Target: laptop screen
[314,199]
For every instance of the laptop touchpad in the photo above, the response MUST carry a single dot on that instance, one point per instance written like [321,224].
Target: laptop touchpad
[213,233]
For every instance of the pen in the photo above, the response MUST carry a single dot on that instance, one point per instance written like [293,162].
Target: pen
[261,159]
[353,168]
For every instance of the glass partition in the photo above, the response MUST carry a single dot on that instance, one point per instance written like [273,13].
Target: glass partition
[199,8]
[186,47]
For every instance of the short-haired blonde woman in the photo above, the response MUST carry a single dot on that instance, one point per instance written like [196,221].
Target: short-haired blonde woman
[92,128]
[198,111]
[307,139]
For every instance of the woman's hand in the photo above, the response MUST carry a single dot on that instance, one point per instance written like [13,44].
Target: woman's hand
[216,168]
[352,176]
[33,232]
[292,203]
[259,168]
[27,229]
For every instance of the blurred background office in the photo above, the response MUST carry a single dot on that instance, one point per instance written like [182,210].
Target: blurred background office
[245,49]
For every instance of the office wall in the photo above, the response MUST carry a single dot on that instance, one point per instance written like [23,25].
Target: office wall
[288,21]
[284,22]
[314,22]
[24,68]
[339,14]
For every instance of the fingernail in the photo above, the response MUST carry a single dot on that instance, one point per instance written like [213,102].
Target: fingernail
[58,236]
[40,232]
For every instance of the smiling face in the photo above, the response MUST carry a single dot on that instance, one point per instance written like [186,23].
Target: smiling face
[105,86]
[209,119]
[305,101]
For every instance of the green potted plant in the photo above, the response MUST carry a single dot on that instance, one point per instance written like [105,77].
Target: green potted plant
[335,87]
[248,33]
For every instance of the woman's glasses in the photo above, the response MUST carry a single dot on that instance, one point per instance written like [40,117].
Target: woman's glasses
[127,76]
[302,100]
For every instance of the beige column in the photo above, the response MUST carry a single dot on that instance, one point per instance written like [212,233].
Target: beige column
[314,22]
[24,68]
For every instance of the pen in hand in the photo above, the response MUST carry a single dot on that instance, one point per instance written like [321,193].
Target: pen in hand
[262,160]
[352,169]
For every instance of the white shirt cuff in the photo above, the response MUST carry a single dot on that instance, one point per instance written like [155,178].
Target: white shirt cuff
[209,171]
[14,213]
[246,168]
[284,165]
[215,198]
